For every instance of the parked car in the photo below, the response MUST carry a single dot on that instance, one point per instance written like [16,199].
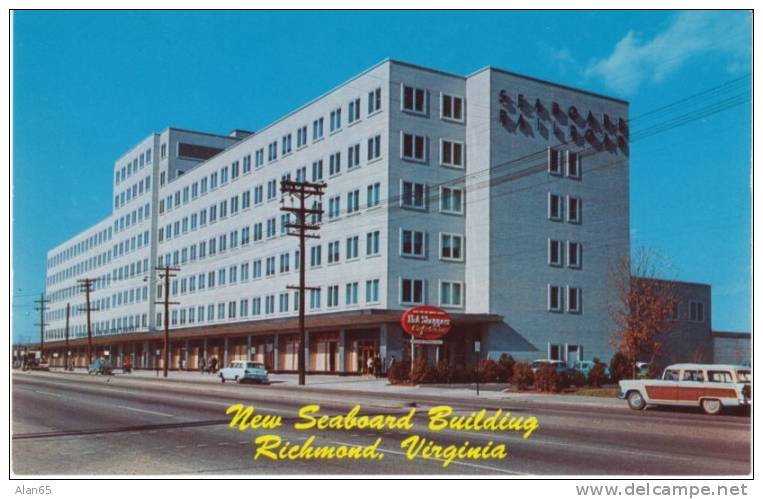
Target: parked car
[710,386]
[559,365]
[242,371]
[99,366]
[585,366]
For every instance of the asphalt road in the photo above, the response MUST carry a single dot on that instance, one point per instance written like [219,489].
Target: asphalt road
[66,424]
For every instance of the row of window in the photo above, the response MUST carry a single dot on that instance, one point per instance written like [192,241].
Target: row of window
[134,217]
[574,256]
[572,302]
[415,100]
[574,208]
[414,147]
[130,244]
[136,190]
[137,163]
[564,163]
[80,268]
[82,246]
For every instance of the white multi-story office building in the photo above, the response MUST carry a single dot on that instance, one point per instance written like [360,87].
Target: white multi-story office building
[500,198]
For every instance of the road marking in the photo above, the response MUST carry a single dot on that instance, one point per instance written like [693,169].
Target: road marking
[145,411]
[462,463]
[48,393]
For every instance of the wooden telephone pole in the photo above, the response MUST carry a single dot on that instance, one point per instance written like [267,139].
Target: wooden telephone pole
[42,307]
[86,285]
[301,192]
[167,273]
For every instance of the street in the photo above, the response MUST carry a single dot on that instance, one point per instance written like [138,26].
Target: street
[69,424]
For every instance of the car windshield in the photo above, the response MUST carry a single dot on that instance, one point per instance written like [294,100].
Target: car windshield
[255,365]
[744,376]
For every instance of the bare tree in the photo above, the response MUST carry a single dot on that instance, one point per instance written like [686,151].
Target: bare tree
[646,303]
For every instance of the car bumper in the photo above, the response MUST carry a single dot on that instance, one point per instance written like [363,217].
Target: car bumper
[254,377]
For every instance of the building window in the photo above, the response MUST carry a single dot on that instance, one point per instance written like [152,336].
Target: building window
[414,99]
[333,296]
[334,209]
[451,294]
[554,298]
[301,136]
[333,252]
[315,256]
[451,200]
[452,108]
[554,207]
[315,299]
[272,189]
[412,291]
[374,147]
[286,144]
[259,157]
[554,167]
[353,156]
[374,101]
[335,120]
[372,243]
[413,195]
[318,129]
[317,170]
[573,299]
[283,302]
[554,252]
[414,147]
[573,209]
[451,154]
[451,247]
[351,294]
[696,311]
[335,164]
[574,255]
[353,201]
[372,291]
[573,164]
[273,151]
[352,248]
[412,243]
[353,111]
[372,195]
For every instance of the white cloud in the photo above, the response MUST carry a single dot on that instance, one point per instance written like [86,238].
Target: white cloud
[635,61]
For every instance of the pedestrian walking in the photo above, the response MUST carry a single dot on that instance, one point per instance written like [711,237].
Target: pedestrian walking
[377,366]
[370,365]
[213,365]
[202,365]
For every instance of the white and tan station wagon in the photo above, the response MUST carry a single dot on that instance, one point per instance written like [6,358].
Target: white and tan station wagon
[710,386]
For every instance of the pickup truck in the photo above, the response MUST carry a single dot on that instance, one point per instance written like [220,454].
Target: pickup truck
[712,387]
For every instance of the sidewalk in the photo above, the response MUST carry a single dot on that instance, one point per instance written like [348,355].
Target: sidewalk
[326,383]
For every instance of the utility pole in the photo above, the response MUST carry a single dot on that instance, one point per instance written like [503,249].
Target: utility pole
[42,308]
[86,285]
[66,354]
[301,192]
[167,272]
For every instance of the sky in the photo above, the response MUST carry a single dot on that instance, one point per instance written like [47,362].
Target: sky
[87,86]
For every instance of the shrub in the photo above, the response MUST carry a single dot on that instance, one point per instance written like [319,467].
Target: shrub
[505,368]
[547,379]
[398,373]
[488,371]
[620,367]
[522,376]
[571,378]
[422,372]
[596,376]
[442,372]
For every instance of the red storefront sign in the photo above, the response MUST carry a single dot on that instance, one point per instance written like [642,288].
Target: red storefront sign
[426,322]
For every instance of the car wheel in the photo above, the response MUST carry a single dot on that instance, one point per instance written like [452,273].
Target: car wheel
[222,378]
[636,401]
[236,379]
[711,406]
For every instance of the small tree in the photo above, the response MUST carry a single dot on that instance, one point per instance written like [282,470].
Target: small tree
[547,379]
[596,375]
[505,368]
[645,306]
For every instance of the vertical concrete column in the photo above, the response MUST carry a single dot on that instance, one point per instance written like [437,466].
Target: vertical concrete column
[383,333]
[225,352]
[147,354]
[204,351]
[342,365]
[276,357]
[249,347]
[185,355]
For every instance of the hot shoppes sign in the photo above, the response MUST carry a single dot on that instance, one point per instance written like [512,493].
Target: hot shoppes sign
[426,322]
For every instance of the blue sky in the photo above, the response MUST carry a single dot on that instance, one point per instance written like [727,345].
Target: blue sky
[89,85]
